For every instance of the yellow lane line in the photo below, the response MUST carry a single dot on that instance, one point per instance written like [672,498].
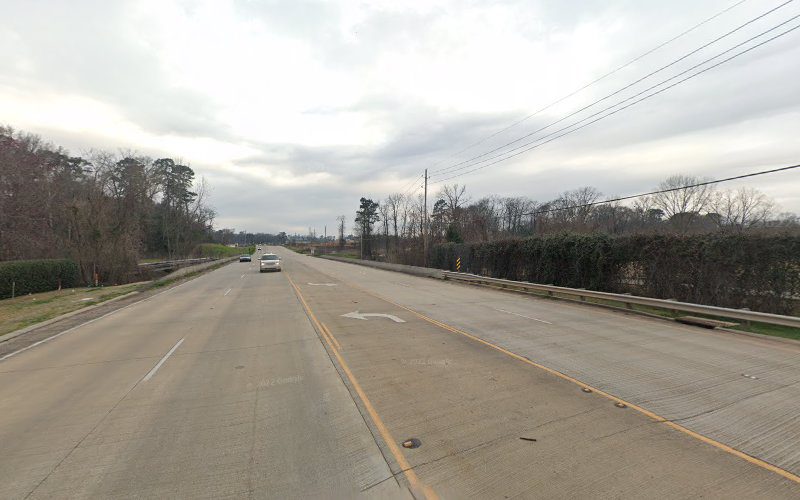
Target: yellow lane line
[335,340]
[658,418]
[327,338]
[413,480]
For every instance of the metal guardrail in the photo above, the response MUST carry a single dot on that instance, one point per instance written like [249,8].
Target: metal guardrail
[722,312]
[167,264]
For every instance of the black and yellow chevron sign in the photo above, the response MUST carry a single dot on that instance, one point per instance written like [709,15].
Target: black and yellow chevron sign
[458,264]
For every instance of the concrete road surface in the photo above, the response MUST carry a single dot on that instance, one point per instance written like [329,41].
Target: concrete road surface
[307,384]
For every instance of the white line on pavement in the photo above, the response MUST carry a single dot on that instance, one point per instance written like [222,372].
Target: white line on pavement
[158,365]
[523,316]
[227,292]
[242,276]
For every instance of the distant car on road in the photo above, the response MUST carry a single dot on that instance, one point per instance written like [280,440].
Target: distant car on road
[269,262]
[244,258]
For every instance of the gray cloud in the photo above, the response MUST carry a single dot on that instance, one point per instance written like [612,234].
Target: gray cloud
[93,49]
[90,49]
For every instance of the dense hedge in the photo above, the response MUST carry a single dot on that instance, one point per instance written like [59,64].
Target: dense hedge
[761,273]
[32,276]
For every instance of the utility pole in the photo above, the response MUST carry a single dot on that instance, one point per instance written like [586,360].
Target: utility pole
[425,223]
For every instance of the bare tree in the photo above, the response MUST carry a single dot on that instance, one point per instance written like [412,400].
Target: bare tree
[742,208]
[645,216]
[612,218]
[684,204]
[483,219]
[572,209]
[514,213]
[455,197]
[394,205]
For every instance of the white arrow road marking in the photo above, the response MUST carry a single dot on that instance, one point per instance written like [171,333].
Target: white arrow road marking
[523,316]
[322,284]
[359,315]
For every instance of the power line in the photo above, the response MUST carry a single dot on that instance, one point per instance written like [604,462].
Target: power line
[625,100]
[630,197]
[699,184]
[416,186]
[413,182]
[414,191]
[623,66]
[466,162]
[501,158]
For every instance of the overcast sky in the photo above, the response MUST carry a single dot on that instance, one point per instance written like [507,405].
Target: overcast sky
[295,109]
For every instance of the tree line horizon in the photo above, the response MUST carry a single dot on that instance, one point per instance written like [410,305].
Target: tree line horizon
[395,226]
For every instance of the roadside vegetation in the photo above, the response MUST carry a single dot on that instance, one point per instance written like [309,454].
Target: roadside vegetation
[773,330]
[754,271]
[690,241]
[21,277]
[217,251]
[346,255]
[102,213]
[26,310]
[303,249]
[101,210]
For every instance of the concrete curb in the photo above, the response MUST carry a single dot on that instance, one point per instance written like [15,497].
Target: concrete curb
[17,333]
[425,272]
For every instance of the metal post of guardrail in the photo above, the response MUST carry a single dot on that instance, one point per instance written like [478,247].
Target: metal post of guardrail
[747,321]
